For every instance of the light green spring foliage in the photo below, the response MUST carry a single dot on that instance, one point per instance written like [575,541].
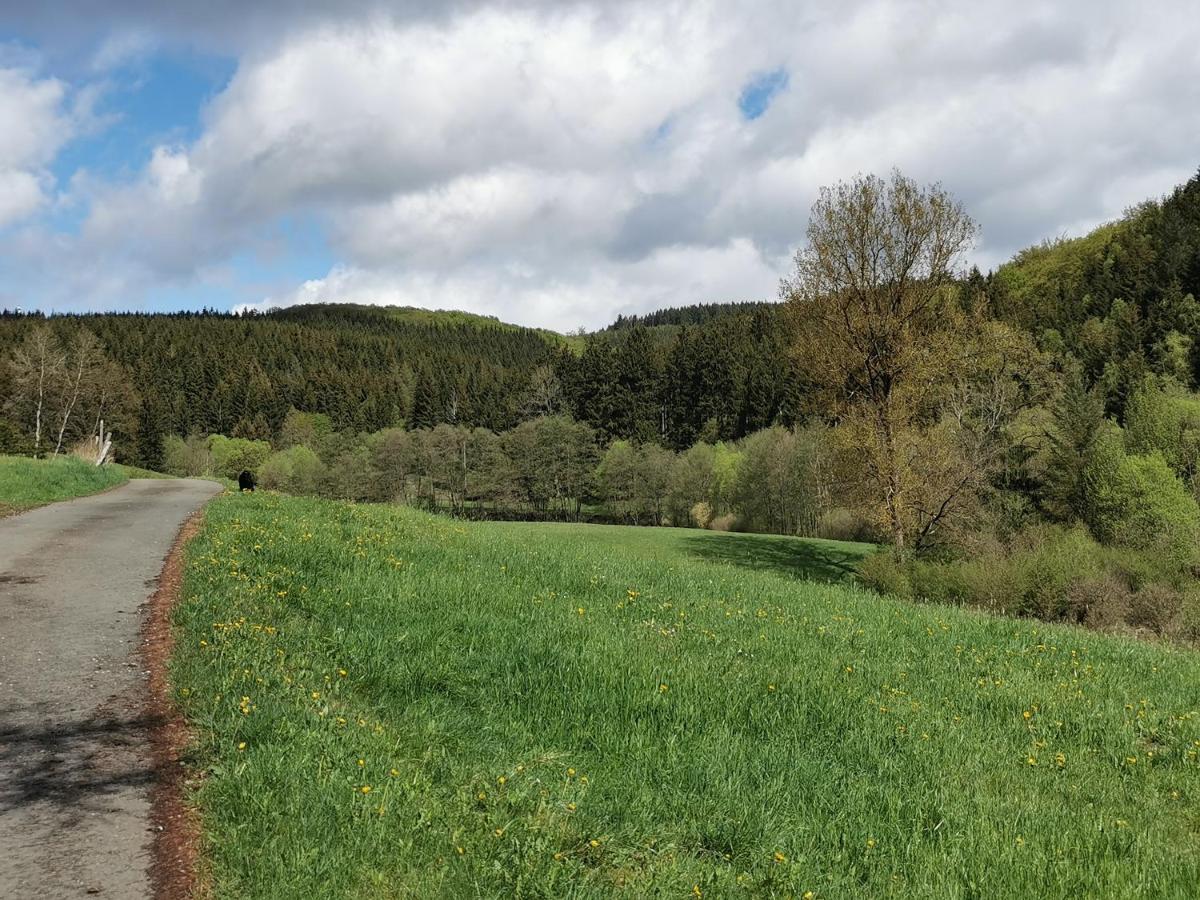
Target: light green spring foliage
[26,483]
[1163,417]
[391,704]
[231,455]
[1138,501]
[296,470]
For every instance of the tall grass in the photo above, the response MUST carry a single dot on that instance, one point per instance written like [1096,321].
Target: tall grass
[390,704]
[26,483]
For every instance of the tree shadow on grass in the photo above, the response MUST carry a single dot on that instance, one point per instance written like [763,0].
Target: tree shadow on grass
[795,557]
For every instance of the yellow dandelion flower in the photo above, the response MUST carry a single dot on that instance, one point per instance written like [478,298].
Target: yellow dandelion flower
[459,850]
[779,857]
[366,789]
[316,695]
[571,807]
[558,855]
[570,773]
[593,843]
[501,780]
[696,892]
[361,763]
[1031,760]
[499,832]
[242,745]
[870,843]
[662,688]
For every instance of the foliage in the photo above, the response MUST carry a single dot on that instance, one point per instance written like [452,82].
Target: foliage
[232,455]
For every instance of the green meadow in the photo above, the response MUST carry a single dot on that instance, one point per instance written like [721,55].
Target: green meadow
[390,704]
[26,483]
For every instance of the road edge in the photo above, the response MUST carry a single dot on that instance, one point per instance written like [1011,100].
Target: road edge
[175,848]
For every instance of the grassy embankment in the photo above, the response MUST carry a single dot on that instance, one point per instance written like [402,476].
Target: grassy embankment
[26,483]
[392,704]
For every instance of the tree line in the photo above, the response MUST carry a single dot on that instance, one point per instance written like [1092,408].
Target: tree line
[549,467]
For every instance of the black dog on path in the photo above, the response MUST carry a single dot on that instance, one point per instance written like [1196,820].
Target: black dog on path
[245,481]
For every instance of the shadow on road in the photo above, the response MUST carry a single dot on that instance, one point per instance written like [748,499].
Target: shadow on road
[71,766]
[799,559]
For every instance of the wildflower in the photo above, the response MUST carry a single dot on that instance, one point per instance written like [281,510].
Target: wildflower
[1132,760]
[499,832]
[1027,715]
[500,781]
[593,843]
[459,850]
[808,895]
[1020,841]
[342,673]
[242,745]
[770,688]
[571,807]
[580,610]
[366,789]
[870,843]
[1031,760]
[361,763]
[316,695]
[696,892]
[558,855]
[481,796]
[1060,759]
[779,857]
[394,772]
[662,688]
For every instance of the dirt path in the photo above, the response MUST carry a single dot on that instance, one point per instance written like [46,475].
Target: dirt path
[75,761]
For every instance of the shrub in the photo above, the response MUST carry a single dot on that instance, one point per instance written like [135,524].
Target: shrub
[884,573]
[1099,602]
[701,514]
[186,458]
[1156,606]
[1137,501]
[231,455]
[297,470]
[842,524]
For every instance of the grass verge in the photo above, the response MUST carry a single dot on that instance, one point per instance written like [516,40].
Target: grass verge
[391,704]
[26,483]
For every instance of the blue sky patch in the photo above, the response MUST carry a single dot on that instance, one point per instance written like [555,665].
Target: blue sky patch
[154,101]
[758,93]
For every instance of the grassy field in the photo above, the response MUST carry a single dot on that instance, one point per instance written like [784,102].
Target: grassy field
[391,704]
[26,483]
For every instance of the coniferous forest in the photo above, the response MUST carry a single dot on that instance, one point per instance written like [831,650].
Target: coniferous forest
[1056,430]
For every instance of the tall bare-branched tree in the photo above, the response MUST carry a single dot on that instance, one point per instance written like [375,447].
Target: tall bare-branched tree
[36,368]
[880,334]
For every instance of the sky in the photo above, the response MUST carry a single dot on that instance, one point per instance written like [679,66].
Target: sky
[551,163]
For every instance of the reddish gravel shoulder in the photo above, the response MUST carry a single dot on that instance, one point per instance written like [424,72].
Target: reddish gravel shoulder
[176,847]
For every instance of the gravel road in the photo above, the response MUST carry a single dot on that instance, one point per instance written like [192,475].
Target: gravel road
[75,771]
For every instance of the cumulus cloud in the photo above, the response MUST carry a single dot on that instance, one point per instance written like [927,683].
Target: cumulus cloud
[560,163]
[33,126]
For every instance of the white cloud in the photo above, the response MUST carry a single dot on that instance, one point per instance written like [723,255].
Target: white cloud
[33,126]
[560,163]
